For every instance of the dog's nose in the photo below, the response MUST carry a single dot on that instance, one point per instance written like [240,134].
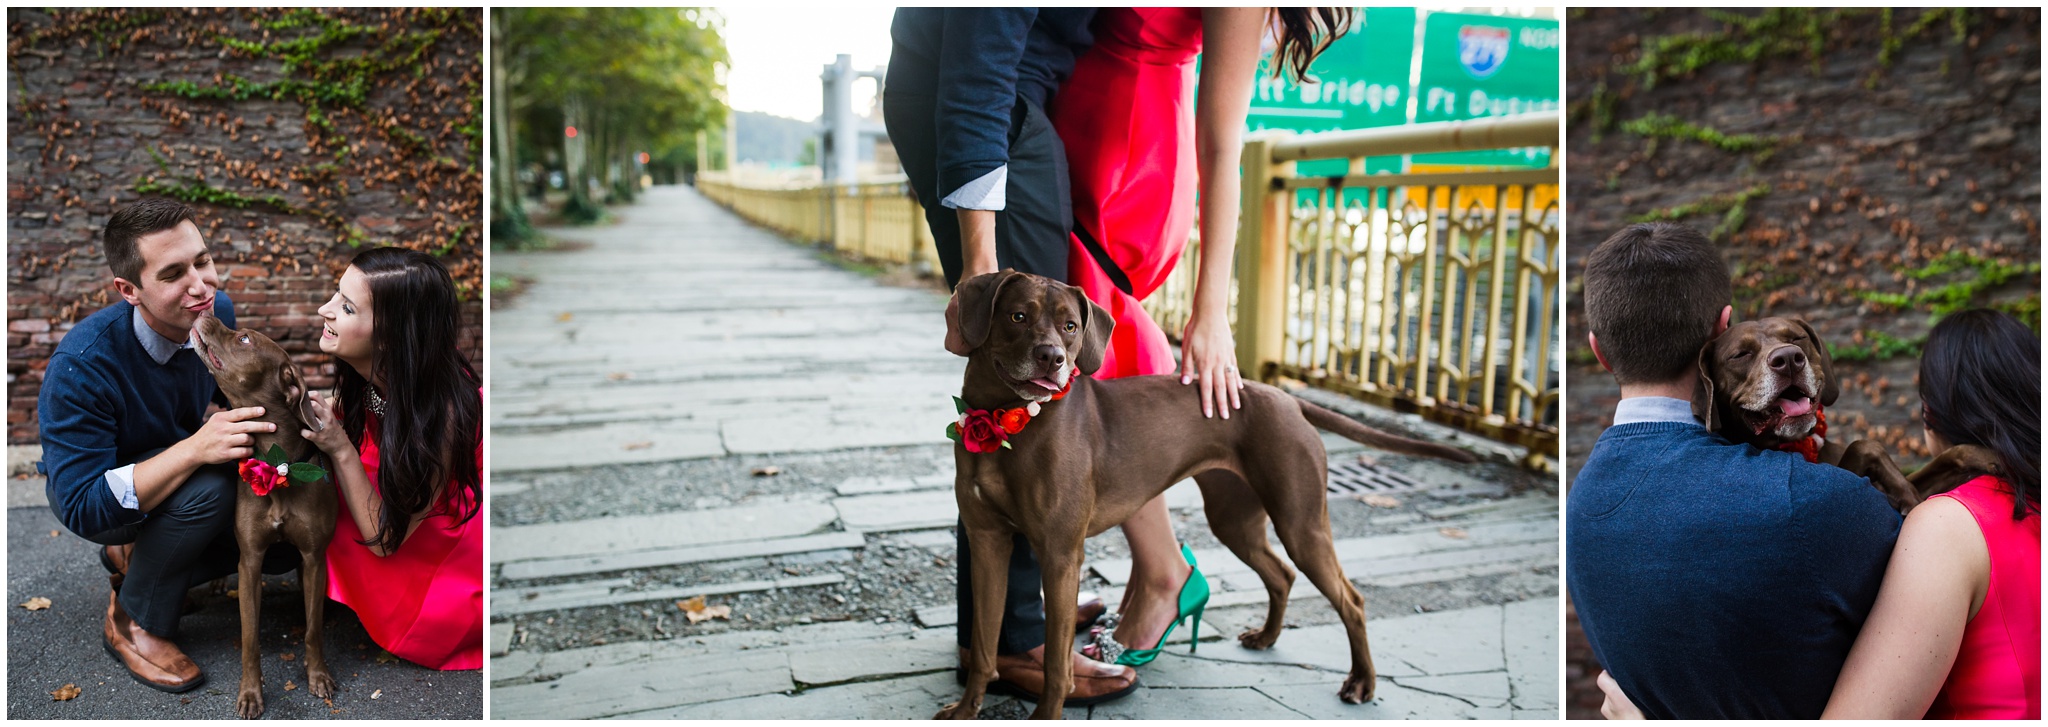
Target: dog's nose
[1050,358]
[1788,359]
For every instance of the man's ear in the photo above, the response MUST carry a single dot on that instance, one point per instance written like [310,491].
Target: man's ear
[1703,407]
[295,395]
[1594,342]
[1823,363]
[976,297]
[1096,325]
[129,291]
[1727,315]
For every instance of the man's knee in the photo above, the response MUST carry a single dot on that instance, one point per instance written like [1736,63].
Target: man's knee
[208,494]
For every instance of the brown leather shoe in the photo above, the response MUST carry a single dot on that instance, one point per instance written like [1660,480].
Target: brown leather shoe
[1088,609]
[1023,676]
[115,559]
[154,662]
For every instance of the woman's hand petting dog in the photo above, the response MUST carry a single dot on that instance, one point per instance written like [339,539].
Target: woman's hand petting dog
[1208,353]
[329,437]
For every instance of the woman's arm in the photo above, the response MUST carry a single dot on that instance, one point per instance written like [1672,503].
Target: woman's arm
[1934,585]
[357,494]
[1230,61]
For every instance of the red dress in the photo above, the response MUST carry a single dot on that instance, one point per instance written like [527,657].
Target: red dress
[1997,674]
[425,602]
[1127,119]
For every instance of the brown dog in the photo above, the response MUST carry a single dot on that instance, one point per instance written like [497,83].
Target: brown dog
[253,370]
[1764,383]
[1088,461]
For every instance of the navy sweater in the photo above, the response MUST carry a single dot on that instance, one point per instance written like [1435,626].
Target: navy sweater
[1718,581]
[974,63]
[105,402]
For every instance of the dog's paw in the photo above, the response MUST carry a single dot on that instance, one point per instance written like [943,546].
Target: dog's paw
[1357,689]
[958,710]
[1258,639]
[250,704]
[320,683]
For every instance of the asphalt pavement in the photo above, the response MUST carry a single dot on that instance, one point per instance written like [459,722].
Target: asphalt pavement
[49,648]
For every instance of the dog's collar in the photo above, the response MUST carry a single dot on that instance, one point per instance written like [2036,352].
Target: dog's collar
[986,430]
[272,470]
[1810,446]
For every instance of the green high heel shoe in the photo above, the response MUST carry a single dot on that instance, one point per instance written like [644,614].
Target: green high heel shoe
[1194,598]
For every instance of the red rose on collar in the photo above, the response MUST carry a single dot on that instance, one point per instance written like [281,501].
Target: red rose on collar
[980,432]
[1012,420]
[261,476]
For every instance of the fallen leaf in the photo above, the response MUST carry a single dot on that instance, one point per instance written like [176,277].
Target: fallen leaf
[233,592]
[695,610]
[288,656]
[1379,500]
[630,446]
[564,318]
[36,604]
[1458,533]
[385,657]
[66,693]
[289,685]
[376,694]
[619,375]
[769,471]
[53,533]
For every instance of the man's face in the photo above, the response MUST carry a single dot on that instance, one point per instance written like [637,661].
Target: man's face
[177,281]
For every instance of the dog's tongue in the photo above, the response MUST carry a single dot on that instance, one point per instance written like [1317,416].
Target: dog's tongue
[1047,384]
[1796,407]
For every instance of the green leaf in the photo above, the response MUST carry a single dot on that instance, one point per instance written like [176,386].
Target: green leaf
[1006,444]
[306,472]
[275,455]
[953,431]
[959,406]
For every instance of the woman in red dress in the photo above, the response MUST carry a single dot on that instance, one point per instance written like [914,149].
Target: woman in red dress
[408,550]
[1139,144]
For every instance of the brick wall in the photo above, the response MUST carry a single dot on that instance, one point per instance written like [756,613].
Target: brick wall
[299,136]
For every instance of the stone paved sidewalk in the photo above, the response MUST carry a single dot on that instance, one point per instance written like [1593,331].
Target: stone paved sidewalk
[655,363]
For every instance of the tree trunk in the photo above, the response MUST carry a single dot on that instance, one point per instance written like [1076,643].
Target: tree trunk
[580,208]
[509,223]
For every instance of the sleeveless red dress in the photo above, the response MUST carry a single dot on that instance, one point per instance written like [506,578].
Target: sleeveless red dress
[425,602]
[1997,674]
[1127,119]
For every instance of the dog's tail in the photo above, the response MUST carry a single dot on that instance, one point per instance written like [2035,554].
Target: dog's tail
[1355,431]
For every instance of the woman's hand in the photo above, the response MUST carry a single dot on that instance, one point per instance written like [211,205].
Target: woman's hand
[330,438]
[1617,705]
[1208,354]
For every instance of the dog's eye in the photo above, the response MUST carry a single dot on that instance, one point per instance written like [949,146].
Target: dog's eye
[1017,317]
[244,339]
[1071,326]
[1739,355]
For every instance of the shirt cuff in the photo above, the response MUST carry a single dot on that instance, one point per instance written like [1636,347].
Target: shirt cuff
[122,481]
[985,193]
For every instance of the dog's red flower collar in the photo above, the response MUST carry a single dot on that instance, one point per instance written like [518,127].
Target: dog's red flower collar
[272,471]
[985,430]
[1810,446]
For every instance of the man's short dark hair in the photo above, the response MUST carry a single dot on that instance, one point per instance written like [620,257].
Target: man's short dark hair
[1653,293]
[131,223]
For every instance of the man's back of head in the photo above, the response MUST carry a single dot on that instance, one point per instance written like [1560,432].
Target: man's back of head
[1653,293]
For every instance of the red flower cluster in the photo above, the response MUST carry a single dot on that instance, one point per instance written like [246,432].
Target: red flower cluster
[262,477]
[982,430]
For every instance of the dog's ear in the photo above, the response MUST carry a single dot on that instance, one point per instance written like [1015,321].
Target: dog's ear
[1703,407]
[977,297]
[295,394]
[1823,363]
[1096,325]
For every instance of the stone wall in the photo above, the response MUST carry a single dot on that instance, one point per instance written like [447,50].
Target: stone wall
[300,136]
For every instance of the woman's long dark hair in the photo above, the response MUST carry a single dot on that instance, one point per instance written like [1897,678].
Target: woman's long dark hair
[432,415]
[1980,381]
[1299,41]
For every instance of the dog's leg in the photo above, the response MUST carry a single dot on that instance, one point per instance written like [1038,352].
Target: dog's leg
[1239,520]
[249,704]
[991,553]
[1867,457]
[313,578]
[1307,538]
[1059,557]
[1953,467]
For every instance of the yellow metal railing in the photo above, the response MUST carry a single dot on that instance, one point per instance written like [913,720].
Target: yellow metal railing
[879,221]
[1428,293]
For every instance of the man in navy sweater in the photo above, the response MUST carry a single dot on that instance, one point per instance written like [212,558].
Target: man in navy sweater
[1714,580]
[132,460]
[965,108]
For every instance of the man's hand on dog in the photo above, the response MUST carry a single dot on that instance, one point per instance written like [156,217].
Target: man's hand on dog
[225,436]
[329,438]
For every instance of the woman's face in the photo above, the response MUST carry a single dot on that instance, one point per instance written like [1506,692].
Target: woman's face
[346,333]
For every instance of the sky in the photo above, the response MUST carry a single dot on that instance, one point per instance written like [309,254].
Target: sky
[778,51]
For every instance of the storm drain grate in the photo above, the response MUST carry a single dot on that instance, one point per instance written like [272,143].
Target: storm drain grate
[1358,478]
